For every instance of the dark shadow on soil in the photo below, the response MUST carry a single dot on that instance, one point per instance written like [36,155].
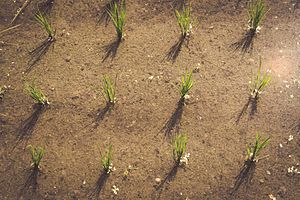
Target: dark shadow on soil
[111,49]
[95,193]
[45,6]
[38,52]
[27,126]
[253,109]
[173,122]
[169,178]
[102,112]
[246,43]
[31,183]
[175,49]
[237,4]
[297,4]
[245,176]
[103,13]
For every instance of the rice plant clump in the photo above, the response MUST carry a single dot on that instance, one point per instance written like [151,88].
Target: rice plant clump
[109,90]
[36,94]
[179,149]
[117,15]
[106,160]
[44,22]
[37,153]
[253,151]
[259,82]
[184,20]
[186,84]
[256,12]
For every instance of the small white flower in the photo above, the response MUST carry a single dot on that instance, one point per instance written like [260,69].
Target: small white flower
[115,190]
[290,138]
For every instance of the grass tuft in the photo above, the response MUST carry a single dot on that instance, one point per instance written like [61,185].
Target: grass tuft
[109,90]
[256,11]
[106,160]
[44,22]
[184,20]
[37,153]
[259,81]
[179,147]
[186,84]
[254,150]
[36,94]
[117,15]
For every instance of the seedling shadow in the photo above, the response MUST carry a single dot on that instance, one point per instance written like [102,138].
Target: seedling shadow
[169,178]
[297,4]
[102,112]
[111,49]
[245,176]
[27,126]
[175,49]
[99,185]
[173,122]
[46,6]
[253,108]
[38,52]
[31,183]
[246,43]
[103,13]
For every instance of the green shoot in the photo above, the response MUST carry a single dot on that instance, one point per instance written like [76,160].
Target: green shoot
[186,84]
[179,148]
[259,81]
[256,12]
[117,15]
[36,94]
[109,90]
[106,160]
[37,154]
[184,20]
[43,21]
[254,150]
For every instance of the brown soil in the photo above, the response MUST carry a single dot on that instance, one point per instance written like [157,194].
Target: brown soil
[70,73]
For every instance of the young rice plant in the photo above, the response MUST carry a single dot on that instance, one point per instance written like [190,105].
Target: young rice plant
[106,160]
[254,150]
[36,94]
[256,12]
[117,15]
[43,21]
[109,90]
[37,154]
[259,81]
[184,20]
[179,147]
[186,84]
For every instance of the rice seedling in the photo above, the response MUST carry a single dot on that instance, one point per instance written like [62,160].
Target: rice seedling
[37,153]
[36,94]
[179,149]
[186,84]
[44,22]
[253,151]
[256,11]
[106,160]
[259,81]
[117,15]
[109,90]
[184,20]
